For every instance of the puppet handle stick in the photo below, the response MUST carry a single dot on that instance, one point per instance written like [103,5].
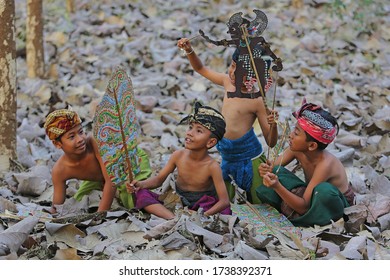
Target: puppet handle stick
[273,107]
[124,140]
[245,33]
[194,37]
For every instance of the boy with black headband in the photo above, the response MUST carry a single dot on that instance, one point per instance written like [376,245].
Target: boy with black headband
[326,191]
[199,179]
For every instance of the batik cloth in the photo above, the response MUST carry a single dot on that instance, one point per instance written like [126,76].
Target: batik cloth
[125,198]
[59,122]
[327,202]
[238,157]
[193,200]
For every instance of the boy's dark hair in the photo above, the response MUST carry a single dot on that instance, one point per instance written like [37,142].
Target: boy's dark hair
[327,116]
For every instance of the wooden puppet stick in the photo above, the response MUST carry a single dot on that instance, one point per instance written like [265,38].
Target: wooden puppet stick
[130,169]
[245,33]
[273,107]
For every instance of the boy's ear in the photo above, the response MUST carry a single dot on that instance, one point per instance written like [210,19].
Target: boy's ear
[57,144]
[211,143]
[313,146]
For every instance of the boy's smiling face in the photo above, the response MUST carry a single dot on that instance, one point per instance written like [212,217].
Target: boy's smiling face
[198,137]
[72,141]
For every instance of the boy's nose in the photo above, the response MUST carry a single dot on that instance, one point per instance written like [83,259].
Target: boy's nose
[79,138]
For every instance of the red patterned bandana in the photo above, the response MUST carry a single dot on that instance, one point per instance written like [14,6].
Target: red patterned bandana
[59,122]
[314,124]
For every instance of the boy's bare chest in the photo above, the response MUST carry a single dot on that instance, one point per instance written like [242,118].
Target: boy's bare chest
[307,167]
[194,177]
[87,168]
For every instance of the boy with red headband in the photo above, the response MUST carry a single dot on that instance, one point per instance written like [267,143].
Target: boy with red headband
[326,190]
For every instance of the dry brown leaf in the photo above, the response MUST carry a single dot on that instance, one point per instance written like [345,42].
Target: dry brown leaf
[67,254]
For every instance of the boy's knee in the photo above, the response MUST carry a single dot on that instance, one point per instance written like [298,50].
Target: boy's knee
[327,194]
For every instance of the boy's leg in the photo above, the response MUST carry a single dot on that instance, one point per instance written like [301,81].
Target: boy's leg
[86,187]
[327,203]
[148,200]
[160,211]
[257,180]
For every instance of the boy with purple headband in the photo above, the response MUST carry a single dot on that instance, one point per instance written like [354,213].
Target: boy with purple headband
[326,190]
[199,177]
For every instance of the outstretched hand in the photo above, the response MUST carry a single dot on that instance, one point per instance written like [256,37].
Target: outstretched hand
[184,44]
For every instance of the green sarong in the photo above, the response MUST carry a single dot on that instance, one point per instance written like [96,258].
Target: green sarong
[256,181]
[125,198]
[327,202]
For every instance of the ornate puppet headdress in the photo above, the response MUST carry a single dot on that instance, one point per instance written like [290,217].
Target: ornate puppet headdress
[255,27]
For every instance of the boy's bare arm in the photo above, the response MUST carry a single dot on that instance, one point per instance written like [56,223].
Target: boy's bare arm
[220,187]
[299,204]
[59,186]
[197,65]
[108,188]
[268,127]
[156,181]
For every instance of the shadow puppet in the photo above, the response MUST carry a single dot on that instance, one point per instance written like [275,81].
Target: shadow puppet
[245,36]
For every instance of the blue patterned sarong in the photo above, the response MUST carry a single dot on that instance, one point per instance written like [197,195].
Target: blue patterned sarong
[237,158]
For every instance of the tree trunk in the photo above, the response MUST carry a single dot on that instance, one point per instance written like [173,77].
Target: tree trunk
[7,84]
[70,6]
[34,37]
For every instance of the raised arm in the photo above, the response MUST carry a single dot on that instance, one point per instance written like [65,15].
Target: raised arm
[197,65]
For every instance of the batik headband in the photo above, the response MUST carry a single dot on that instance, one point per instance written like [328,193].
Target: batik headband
[59,122]
[209,118]
[314,124]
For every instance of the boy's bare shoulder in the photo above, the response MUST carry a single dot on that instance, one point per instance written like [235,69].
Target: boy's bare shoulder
[330,160]
[90,141]
[178,154]
[58,171]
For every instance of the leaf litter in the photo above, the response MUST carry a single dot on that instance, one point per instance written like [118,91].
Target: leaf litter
[329,59]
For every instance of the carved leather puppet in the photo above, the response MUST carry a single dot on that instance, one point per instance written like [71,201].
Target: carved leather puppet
[243,31]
